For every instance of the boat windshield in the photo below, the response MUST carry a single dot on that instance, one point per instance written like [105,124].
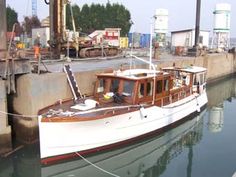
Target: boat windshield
[101,86]
[199,78]
[114,85]
[128,88]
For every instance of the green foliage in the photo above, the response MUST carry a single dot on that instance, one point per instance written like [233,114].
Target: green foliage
[98,17]
[12,18]
[30,23]
[76,12]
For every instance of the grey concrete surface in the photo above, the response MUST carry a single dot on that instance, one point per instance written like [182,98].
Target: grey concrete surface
[4,127]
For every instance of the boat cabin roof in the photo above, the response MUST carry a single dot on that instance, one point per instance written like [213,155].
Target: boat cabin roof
[134,74]
[189,69]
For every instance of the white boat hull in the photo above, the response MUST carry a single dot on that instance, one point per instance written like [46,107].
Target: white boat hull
[60,138]
[129,158]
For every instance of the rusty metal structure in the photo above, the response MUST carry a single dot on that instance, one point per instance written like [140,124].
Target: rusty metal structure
[9,66]
[81,47]
[3,30]
[56,25]
[197,23]
[195,50]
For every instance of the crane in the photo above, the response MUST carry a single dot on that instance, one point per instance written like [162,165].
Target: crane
[34,8]
[58,40]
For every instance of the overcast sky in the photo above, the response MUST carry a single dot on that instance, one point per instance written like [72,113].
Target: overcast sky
[181,12]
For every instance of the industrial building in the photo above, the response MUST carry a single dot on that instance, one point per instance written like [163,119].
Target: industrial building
[186,38]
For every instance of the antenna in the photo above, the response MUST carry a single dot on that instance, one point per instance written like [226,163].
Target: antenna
[34,7]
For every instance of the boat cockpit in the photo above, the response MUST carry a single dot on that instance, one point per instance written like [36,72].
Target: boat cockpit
[149,86]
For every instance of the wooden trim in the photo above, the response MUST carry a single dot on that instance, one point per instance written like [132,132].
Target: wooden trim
[90,117]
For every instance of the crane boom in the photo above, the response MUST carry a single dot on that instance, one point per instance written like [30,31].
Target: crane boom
[34,7]
[59,41]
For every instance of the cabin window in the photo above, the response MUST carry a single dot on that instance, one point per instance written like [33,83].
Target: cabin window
[159,87]
[166,85]
[149,88]
[141,90]
[195,80]
[128,88]
[177,74]
[199,79]
[187,81]
[114,85]
[200,39]
[202,78]
[101,84]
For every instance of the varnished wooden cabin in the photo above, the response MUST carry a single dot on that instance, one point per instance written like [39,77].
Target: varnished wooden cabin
[141,86]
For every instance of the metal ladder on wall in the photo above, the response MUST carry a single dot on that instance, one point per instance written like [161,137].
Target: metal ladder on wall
[72,82]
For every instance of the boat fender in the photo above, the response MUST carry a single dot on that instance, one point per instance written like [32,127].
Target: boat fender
[234,175]
[90,103]
[108,95]
[143,112]
[198,108]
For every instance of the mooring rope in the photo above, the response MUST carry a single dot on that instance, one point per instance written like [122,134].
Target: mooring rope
[18,115]
[99,168]
[34,116]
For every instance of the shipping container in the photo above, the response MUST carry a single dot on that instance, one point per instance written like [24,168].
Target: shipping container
[124,42]
[145,41]
[130,39]
[139,40]
[134,39]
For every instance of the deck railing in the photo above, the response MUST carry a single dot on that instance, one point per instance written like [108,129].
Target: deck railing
[173,97]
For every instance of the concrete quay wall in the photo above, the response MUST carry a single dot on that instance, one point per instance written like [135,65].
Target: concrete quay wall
[5,129]
[37,91]
[218,65]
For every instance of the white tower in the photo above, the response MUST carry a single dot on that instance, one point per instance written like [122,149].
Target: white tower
[161,25]
[221,31]
[216,119]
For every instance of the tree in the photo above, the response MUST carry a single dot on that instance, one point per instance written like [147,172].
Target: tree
[84,19]
[30,23]
[76,12]
[122,18]
[98,17]
[18,29]
[12,18]
[119,17]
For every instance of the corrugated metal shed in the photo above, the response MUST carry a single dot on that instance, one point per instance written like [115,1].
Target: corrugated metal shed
[186,38]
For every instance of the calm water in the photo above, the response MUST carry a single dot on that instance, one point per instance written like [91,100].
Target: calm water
[204,146]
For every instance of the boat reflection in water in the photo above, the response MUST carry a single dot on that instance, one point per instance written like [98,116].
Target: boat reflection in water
[146,158]
[216,118]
